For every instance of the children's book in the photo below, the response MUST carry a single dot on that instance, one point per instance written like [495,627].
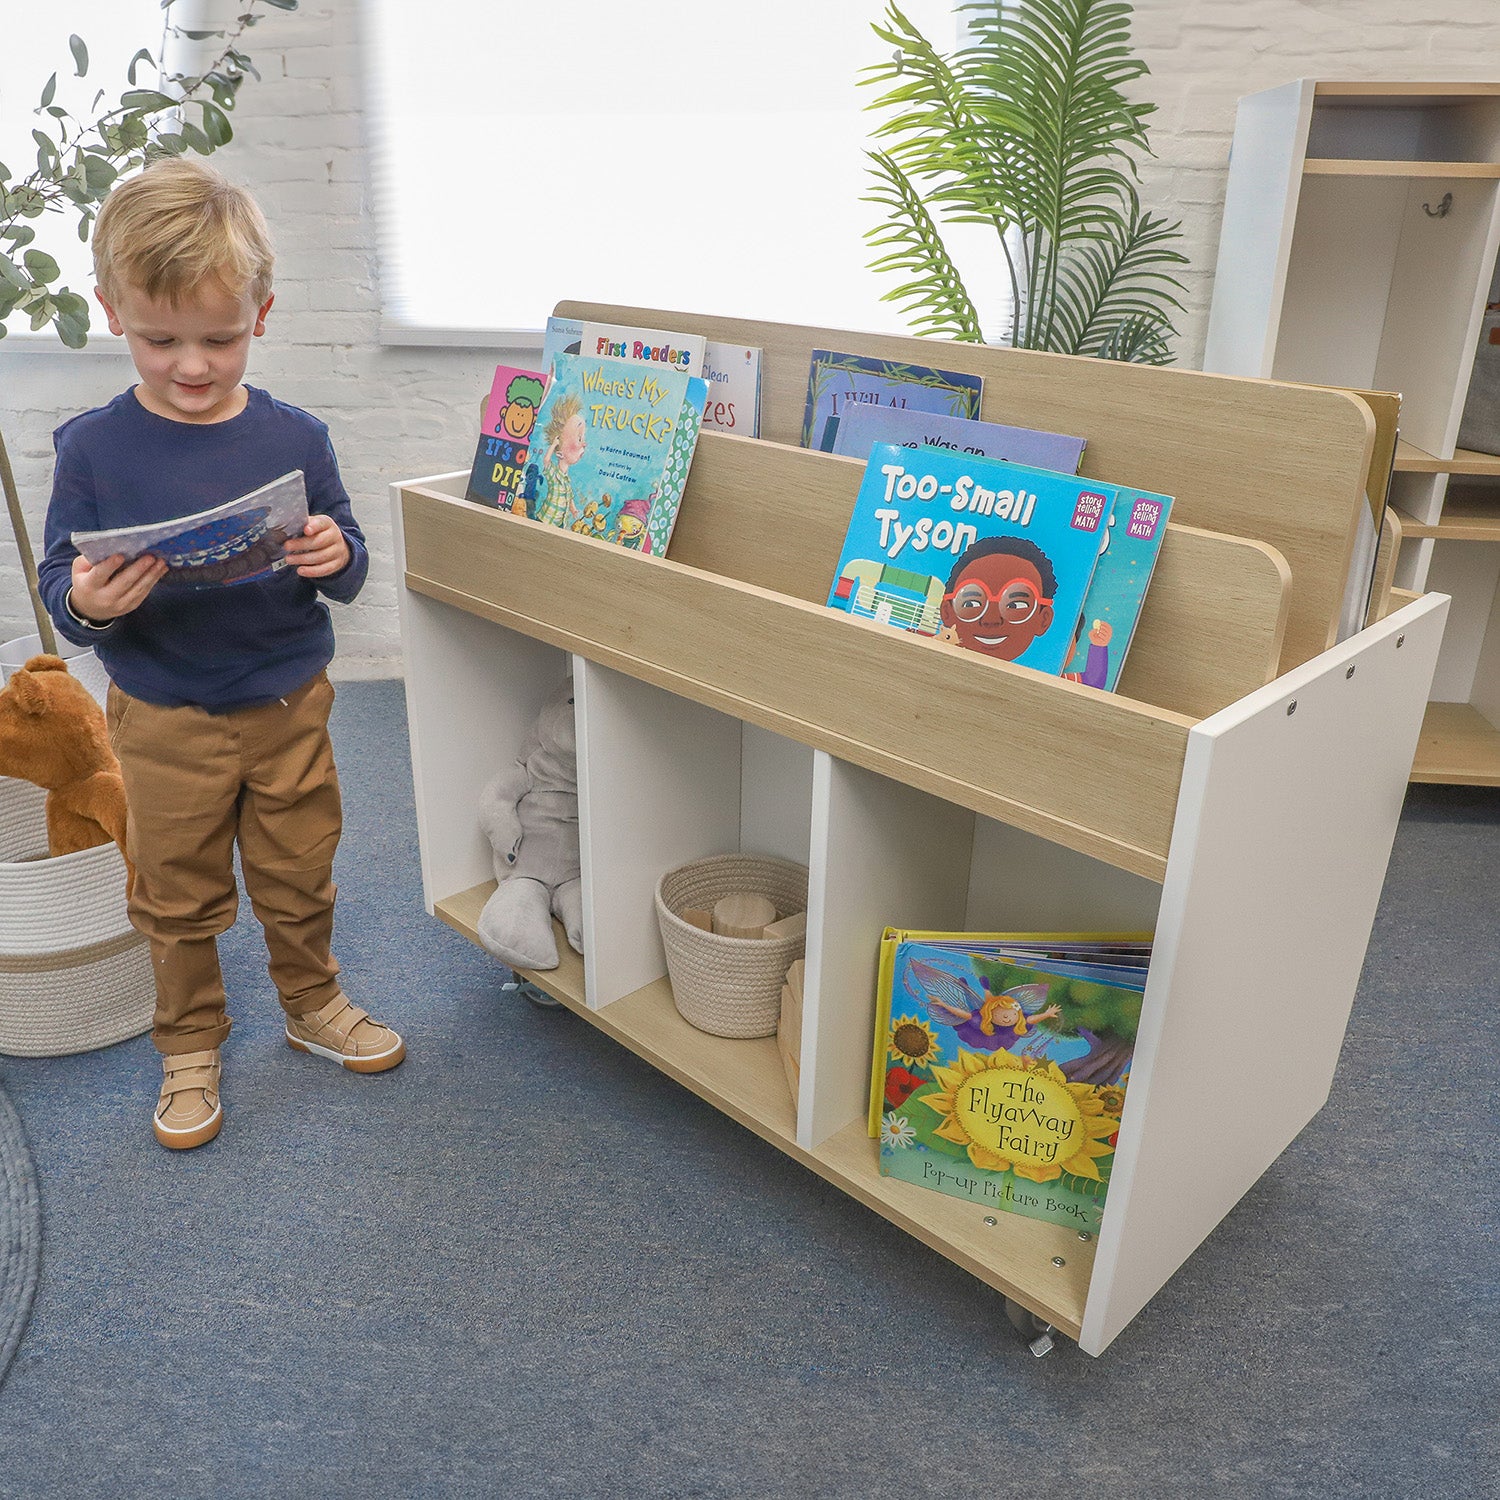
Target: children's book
[1112,608]
[611,450]
[644,346]
[860,427]
[985,555]
[733,375]
[1002,1063]
[563,336]
[241,541]
[835,382]
[509,415]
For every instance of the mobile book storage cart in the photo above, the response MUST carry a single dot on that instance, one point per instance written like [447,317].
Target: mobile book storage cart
[1238,795]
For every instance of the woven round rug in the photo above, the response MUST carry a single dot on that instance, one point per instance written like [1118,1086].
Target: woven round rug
[20,1233]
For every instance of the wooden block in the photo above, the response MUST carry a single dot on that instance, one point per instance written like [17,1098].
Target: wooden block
[699,917]
[794,926]
[794,978]
[790,1063]
[742,915]
[791,1020]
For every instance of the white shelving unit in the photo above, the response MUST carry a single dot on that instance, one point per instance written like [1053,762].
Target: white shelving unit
[1360,233]
[1244,803]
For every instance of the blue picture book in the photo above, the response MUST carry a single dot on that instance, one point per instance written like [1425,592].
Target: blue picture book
[1112,608]
[241,541]
[610,449]
[836,382]
[989,556]
[861,426]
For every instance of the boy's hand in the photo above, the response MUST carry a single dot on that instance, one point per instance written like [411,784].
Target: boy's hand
[321,551]
[105,591]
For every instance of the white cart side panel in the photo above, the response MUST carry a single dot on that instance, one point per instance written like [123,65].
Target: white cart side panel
[658,785]
[883,855]
[775,795]
[1270,134]
[1284,829]
[472,692]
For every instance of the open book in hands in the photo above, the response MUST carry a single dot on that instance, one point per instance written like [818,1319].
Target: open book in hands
[241,541]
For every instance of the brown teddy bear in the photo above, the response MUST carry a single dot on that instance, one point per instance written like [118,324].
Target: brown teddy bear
[53,733]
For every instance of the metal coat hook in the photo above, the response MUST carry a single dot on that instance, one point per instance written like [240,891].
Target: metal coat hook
[1441,211]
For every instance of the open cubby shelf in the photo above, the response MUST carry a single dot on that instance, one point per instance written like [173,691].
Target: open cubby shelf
[1238,796]
[1359,244]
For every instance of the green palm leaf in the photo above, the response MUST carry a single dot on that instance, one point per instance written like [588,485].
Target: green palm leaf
[1026,129]
[934,298]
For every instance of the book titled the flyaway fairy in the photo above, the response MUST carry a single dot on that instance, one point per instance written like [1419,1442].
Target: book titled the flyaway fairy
[837,381]
[986,555]
[611,449]
[860,426]
[1002,1063]
[242,541]
[505,439]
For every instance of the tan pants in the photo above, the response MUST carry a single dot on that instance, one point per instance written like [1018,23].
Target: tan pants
[197,783]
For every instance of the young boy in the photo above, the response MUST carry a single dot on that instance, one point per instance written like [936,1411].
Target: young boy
[219,701]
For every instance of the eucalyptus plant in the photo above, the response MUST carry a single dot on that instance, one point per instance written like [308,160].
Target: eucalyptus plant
[1025,129]
[78,161]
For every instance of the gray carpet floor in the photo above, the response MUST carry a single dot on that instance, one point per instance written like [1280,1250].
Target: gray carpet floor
[525,1264]
[20,1233]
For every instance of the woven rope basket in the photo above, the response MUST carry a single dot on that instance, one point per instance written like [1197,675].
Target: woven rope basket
[74,974]
[723,985]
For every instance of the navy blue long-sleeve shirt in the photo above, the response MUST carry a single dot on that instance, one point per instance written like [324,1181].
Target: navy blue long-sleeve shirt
[219,648]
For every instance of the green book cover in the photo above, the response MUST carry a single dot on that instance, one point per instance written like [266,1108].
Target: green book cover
[1004,1080]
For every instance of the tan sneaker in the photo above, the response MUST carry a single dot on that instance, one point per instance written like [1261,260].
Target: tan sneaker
[188,1112]
[343,1033]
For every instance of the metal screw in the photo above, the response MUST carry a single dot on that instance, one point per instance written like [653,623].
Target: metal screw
[1291,707]
[1400,641]
[1084,1235]
[991,1222]
[1349,673]
[1057,1260]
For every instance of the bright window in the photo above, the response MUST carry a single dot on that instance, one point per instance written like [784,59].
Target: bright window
[666,153]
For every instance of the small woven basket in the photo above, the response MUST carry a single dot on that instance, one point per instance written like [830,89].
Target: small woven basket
[74,974]
[724,985]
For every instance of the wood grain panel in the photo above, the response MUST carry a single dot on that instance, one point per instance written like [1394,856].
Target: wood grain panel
[1283,464]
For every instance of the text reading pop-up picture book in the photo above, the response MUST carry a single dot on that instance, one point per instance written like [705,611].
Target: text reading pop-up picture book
[611,450]
[985,555]
[505,440]
[860,427]
[1112,608]
[1001,1065]
[241,541]
[731,370]
[835,382]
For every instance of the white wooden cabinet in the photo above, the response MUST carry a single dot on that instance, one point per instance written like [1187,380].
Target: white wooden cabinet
[1361,224]
[1242,804]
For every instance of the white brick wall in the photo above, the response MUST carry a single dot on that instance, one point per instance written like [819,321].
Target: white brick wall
[396,412]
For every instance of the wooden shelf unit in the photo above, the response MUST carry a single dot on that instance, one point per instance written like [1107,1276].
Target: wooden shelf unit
[1358,248]
[1247,805]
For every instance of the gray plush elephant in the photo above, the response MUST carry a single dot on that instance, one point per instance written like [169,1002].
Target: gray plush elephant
[529,813]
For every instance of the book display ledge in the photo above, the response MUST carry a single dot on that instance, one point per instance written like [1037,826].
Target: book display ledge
[1239,795]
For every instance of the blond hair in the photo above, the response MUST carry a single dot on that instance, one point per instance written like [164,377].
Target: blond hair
[567,408]
[178,224]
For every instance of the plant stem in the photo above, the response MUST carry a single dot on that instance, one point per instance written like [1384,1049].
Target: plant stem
[23,546]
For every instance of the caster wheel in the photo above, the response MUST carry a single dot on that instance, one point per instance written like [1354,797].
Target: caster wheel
[1034,1330]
